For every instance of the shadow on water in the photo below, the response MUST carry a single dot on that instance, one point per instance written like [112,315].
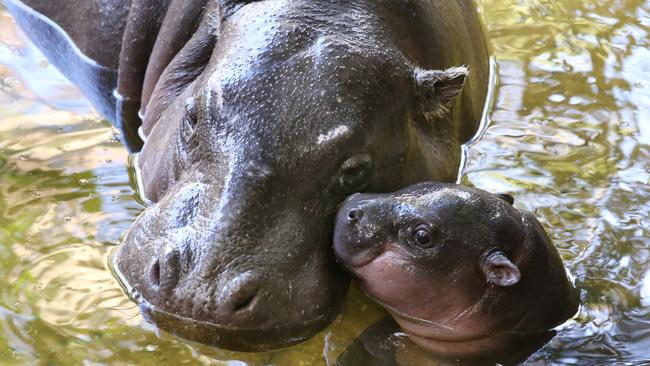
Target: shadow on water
[569,137]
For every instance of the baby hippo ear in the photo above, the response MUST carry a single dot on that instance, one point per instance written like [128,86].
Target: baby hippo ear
[438,89]
[499,270]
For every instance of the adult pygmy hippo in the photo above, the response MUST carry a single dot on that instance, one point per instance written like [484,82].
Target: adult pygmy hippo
[259,118]
[462,271]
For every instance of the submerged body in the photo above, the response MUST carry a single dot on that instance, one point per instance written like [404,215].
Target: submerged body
[463,273]
[260,117]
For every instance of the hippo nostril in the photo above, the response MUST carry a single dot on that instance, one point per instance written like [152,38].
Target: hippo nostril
[355,214]
[240,295]
[245,302]
[164,271]
[154,273]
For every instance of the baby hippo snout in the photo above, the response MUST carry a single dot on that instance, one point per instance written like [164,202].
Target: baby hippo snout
[356,207]
[359,237]
[354,215]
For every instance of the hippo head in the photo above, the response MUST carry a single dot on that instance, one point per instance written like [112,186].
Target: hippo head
[462,271]
[248,157]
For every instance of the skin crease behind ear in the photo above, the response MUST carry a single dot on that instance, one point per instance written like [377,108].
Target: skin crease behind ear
[178,27]
[142,27]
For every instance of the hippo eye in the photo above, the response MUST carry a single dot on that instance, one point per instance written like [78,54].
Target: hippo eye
[189,120]
[355,172]
[422,236]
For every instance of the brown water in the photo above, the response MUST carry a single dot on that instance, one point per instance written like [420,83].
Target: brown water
[570,137]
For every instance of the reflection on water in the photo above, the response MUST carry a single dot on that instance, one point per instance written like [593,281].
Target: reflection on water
[570,137]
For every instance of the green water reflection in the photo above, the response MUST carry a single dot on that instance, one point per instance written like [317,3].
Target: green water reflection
[570,137]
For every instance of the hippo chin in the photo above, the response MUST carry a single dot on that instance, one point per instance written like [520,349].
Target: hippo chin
[258,119]
[462,271]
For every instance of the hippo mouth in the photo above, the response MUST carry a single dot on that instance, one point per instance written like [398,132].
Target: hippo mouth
[253,339]
[242,339]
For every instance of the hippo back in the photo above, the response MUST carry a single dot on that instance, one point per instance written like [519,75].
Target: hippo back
[69,34]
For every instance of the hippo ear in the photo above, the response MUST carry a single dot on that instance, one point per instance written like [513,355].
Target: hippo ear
[499,270]
[507,197]
[438,89]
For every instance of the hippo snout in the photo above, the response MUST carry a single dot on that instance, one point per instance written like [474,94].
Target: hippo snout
[354,214]
[357,234]
[353,209]
[236,300]
[230,280]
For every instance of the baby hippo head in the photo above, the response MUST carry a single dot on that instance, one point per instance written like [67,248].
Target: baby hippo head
[462,271]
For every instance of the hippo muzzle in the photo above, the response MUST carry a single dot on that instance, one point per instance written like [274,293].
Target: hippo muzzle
[221,266]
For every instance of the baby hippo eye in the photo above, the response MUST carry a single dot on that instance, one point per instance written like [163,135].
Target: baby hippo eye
[356,172]
[422,236]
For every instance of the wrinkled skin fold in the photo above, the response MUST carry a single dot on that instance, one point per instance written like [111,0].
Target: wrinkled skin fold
[260,118]
[464,273]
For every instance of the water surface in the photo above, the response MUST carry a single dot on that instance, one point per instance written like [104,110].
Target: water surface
[569,137]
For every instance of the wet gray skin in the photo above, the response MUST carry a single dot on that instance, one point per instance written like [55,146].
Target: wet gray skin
[464,273]
[260,117]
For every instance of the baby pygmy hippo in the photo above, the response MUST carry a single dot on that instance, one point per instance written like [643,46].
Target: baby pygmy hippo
[463,272]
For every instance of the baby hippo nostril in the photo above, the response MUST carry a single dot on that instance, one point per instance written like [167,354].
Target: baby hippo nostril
[354,215]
